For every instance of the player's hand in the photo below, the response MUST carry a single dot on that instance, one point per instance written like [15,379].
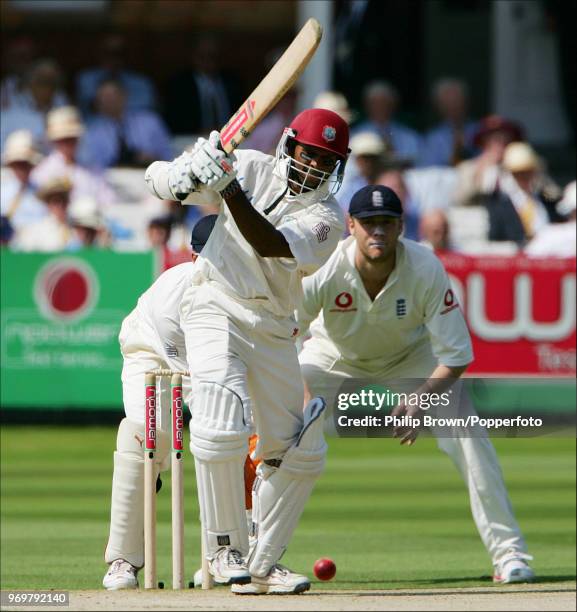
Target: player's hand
[213,167]
[407,434]
[181,178]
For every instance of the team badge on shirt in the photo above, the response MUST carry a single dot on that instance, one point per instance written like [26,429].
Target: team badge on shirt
[321,231]
[401,308]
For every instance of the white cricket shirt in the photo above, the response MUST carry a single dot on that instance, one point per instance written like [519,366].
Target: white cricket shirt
[311,228]
[416,306]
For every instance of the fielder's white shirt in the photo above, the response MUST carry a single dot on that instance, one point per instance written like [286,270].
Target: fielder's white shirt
[311,228]
[416,306]
[158,309]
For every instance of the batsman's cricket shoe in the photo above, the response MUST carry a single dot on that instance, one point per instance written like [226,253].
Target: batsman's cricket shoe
[279,581]
[120,575]
[513,567]
[228,567]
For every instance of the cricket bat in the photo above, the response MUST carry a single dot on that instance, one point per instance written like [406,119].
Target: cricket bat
[264,98]
[273,87]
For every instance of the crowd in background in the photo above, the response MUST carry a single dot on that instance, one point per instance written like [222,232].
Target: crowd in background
[476,186]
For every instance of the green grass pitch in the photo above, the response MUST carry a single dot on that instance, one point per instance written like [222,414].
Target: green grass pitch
[389,516]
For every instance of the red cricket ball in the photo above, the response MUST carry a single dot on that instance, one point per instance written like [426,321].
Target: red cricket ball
[325,569]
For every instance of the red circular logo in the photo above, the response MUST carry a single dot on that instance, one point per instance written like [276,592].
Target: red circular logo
[66,289]
[449,297]
[344,300]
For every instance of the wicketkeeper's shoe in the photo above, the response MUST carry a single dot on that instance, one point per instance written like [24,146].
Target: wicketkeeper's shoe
[120,575]
[229,567]
[513,567]
[279,581]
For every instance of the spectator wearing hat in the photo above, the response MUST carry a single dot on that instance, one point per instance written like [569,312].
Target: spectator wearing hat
[336,102]
[381,101]
[89,228]
[42,92]
[365,163]
[558,239]
[450,142]
[119,136]
[64,129]
[19,204]
[53,232]
[516,211]
[479,177]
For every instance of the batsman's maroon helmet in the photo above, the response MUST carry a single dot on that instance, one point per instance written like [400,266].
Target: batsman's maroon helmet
[322,128]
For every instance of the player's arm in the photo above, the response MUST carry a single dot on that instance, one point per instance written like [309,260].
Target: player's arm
[450,340]
[265,239]
[215,169]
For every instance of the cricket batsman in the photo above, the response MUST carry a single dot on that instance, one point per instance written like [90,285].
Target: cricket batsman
[279,222]
[382,308]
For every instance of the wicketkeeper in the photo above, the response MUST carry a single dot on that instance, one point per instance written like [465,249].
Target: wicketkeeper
[150,339]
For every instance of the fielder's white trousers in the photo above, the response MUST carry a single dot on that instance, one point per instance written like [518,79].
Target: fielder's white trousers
[474,457]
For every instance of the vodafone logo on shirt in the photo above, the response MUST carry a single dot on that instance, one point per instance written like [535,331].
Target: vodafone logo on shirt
[66,289]
[450,303]
[343,303]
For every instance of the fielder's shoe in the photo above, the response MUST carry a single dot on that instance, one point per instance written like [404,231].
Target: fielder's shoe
[513,567]
[120,575]
[279,581]
[228,567]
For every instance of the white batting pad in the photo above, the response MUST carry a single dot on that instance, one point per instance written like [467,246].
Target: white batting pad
[280,495]
[219,443]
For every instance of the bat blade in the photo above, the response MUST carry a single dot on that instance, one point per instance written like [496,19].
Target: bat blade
[273,87]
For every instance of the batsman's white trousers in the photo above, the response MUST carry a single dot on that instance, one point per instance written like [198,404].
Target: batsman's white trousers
[253,354]
[474,457]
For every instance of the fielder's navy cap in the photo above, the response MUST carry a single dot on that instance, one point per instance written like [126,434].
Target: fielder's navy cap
[201,232]
[375,200]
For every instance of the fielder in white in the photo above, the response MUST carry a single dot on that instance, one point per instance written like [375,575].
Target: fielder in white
[279,223]
[382,309]
[150,338]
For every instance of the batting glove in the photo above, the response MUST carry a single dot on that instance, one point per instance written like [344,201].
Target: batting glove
[213,167]
[181,178]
